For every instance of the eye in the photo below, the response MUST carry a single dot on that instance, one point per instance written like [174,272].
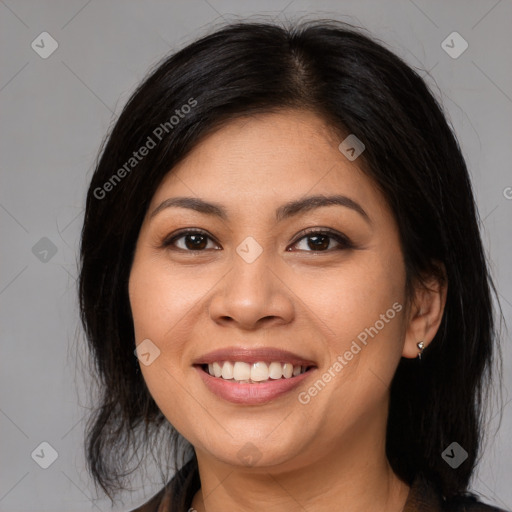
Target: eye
[319,240]
[190,240]
[316,240]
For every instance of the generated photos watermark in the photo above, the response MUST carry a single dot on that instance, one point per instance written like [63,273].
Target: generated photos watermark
[342,360]
[157,135]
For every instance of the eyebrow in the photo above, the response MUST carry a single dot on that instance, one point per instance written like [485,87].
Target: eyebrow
[285,211]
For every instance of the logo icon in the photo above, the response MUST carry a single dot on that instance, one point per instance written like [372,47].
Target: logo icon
[249,250]
[454,45]
[351,147]
[45,455]
[454,455]
[44,45]
[147,352]
[44,250]
[249,454]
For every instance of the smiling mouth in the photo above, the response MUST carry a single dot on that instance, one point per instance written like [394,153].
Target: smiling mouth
[254,373]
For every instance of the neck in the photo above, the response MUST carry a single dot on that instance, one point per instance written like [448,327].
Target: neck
[355,477]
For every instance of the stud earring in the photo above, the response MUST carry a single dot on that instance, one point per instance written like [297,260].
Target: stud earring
[421,346]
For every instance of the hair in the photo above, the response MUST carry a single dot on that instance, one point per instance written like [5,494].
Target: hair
[358,87]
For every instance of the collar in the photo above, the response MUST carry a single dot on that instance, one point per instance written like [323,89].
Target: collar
[423,497]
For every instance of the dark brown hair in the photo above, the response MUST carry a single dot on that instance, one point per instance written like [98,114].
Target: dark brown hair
[359,87]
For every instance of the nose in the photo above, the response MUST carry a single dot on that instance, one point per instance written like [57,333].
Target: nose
[252,296]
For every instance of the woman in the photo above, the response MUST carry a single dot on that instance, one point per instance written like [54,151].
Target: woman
[281,229]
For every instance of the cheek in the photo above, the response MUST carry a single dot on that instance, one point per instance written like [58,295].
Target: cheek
[160,305]
[353,299]
[362,312]
[160,300]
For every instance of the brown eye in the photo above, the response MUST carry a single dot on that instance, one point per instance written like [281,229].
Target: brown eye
[190,240]
[318,242]
[321,241]
[195,242]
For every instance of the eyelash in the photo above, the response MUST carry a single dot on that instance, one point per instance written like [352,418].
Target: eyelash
[343,241]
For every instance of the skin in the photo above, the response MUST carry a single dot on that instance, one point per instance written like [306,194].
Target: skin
[326,455]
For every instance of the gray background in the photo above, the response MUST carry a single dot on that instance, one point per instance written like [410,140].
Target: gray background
[55,112]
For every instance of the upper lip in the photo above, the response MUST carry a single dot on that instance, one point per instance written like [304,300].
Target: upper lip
[253,355]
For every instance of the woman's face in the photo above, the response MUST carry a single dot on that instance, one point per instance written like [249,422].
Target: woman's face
[254,282]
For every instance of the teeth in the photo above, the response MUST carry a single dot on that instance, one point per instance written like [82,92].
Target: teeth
[241,371]
[227,370]
[275,370]
[287,370]
[217,370]
[259,371]
[256,372]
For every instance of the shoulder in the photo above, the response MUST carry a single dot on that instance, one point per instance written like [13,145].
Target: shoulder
[470,504]
[178,492]
[425,496]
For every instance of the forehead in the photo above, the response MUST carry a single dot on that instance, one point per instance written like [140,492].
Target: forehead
[267,159]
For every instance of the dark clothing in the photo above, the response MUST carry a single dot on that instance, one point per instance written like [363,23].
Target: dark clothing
[423,497]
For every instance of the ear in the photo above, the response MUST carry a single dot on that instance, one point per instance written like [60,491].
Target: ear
[425,312]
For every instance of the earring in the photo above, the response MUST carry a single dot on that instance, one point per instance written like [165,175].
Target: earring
[421,346]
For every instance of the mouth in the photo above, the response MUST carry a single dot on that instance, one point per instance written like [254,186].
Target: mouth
[257,373]
[252,376]
[261,387]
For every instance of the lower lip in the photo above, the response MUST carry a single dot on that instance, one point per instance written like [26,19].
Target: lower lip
[251,394]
